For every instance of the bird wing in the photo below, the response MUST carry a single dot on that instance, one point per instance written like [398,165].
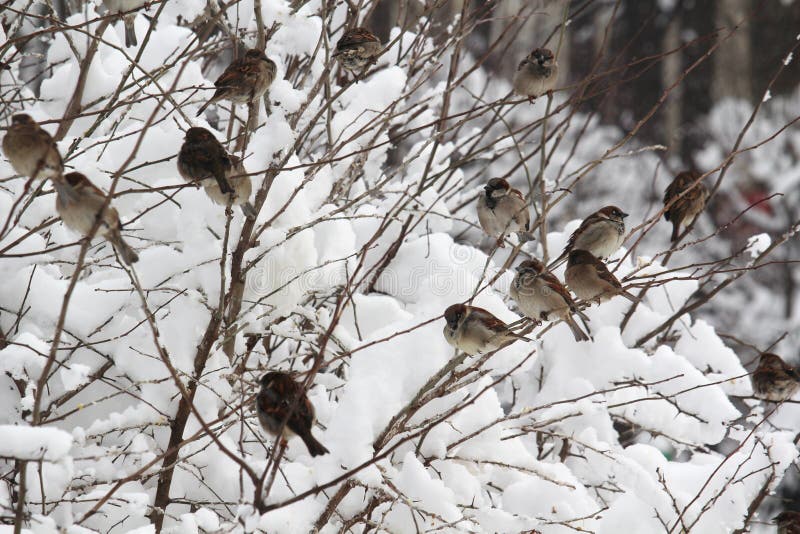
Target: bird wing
[553,283]
[604,274]
[356,37]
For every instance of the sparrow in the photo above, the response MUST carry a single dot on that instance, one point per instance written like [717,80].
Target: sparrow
[357,48]
[502,210]
[128,9]
[281,402]
[536,74]
[31,150]
[788,522]
[79,201]
[474,330]
[775,380]
[202,157]
[684,210]
[590,279]
[242,187]
[539,294]
[601,234]
[245,80]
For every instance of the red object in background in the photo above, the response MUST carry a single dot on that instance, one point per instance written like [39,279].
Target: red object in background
[755,197]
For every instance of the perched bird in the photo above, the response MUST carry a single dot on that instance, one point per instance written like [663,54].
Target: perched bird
[128,10]
[775,380]
[536,74]
[502,210]
[601,233]
[474,330]
[31,150]
[245,80]
[539,294]
[683,210]
[282,400]
[788,522]
[242,188]
[79,201]
[590,279]
[202,157]
[357,48]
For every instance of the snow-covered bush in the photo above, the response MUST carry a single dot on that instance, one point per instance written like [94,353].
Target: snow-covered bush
[128,392]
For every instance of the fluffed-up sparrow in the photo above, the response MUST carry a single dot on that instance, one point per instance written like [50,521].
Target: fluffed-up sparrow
[79,201]
[601,234]
[536,74]
[128,10]
[282,400]
[540,296]
[202,157]
[773,379]
[242,187]
[502,210]
[31,151]
[357,48]
[683,210]
[245,80]
[475,331]
[589,278]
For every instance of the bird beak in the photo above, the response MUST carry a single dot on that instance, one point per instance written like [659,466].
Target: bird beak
[624,214]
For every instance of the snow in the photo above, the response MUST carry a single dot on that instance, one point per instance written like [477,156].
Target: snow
[34,443]
[757,244]
[493,461]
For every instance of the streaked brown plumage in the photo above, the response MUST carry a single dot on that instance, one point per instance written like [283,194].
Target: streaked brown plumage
[79,201]
[475,331]
[242,188]
[280,400]
[788,522]
[773,379]
[357,48]
[245,80]
[202,157]
[537,74]
[31,150]
[540,296]
[589,278]
[502,210]
[601,233]
[682,211]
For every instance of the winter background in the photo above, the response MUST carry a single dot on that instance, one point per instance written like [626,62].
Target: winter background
[366,232]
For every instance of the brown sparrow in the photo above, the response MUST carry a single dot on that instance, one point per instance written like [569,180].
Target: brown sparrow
[773,379]
[281,402]
[590,279]
[245,80]
[536,74]
[357,48]
[684,210]
[539,294]
[788,522]
[502,210]
[202,157]
[601,233]
[128,9]
[474,330]
[242,187]
[31,150]
[79,201]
